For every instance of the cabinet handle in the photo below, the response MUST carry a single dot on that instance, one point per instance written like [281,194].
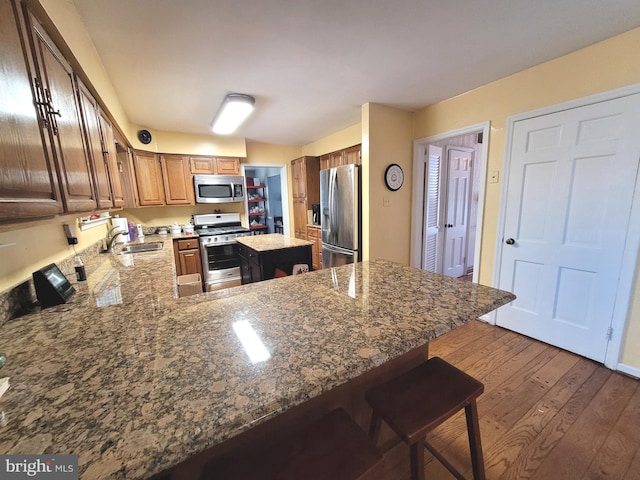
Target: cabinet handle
[51,112]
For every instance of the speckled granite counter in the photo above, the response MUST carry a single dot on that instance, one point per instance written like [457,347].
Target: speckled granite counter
[139,386]
[272,241]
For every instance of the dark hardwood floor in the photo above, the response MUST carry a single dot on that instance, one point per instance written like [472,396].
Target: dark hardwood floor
[545,413]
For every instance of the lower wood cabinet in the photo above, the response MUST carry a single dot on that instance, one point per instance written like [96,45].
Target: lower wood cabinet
[187,256]
[300,218]
[257,266]
[314,234]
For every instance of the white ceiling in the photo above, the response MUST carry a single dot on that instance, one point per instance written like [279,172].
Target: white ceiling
[311,64]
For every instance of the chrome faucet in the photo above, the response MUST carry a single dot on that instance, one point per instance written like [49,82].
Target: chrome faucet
[111,241]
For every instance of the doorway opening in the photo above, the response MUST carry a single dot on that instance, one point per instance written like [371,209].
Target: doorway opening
[449,183]
[271,212]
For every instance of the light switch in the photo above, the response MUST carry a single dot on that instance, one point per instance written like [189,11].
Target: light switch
[495,176]
[386,202]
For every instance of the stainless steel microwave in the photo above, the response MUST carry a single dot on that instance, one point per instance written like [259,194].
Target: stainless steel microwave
[219,188]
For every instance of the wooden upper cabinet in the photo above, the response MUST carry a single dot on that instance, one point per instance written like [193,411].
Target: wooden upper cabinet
[148,175]
[202,165]
[178,183]
[347,156]
[93,136]
[28,180]
[299,185]
[305,178]
[64,122]
[127,172]
[214,165]
[114,165]
[228,166]
[352,155]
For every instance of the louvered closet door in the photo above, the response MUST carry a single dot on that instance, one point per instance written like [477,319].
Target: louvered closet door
[570,189]
[431,242]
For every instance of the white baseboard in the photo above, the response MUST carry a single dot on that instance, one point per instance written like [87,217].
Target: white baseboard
[631,371]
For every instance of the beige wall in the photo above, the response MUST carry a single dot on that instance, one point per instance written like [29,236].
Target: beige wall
[39,245]
[386,231]
[190,144]
[607,65]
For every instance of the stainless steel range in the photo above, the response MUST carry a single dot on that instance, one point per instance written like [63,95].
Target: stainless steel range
[219,249]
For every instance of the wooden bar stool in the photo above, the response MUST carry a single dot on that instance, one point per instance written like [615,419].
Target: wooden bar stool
[418,401]
[333,448]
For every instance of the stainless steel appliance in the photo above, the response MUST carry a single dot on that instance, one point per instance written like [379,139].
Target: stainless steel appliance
[219,188]
[340,215]
[219,249]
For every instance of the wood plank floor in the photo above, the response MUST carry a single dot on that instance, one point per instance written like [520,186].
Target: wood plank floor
[545,413]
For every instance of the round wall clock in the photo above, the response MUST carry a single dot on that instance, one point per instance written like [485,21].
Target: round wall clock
[394,177]
[144,136]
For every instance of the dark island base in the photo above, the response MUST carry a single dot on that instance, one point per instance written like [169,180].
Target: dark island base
[349,396]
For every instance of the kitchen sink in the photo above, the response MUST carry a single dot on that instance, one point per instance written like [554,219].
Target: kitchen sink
[142,247]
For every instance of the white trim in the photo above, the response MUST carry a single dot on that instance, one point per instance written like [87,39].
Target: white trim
[419,157]
[630,254]
[632,371]
[284,190]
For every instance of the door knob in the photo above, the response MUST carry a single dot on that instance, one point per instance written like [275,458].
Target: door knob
[509,241]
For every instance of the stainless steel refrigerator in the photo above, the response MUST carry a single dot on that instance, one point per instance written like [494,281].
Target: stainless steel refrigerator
[340,218]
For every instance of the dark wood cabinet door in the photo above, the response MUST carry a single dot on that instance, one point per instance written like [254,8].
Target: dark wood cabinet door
[28,181]
[65,125]
[93,136]
[148,175]
[178,183]
[114,166]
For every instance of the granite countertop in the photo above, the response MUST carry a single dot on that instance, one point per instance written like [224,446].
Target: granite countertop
[143,384]
[272,241]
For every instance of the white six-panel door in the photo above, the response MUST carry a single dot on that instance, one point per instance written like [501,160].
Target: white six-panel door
[570,188]
[456,227]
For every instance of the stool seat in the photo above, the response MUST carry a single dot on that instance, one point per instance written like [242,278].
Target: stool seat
[333,447]
[421,399]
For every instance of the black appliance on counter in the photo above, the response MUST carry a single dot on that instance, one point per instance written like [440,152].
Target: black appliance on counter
[219,249]
[52,287]
[315,209]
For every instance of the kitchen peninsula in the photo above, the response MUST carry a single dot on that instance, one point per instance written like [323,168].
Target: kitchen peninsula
[139,386]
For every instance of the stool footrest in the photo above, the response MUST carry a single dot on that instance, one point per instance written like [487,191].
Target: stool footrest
[443,461]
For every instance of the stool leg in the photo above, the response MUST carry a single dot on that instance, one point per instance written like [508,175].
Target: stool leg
[475,444]
[374,426]
[417,461]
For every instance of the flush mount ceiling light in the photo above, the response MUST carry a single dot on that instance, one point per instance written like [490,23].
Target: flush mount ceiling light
[235,108]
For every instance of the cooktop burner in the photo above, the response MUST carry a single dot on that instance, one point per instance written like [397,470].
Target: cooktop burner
[219,224]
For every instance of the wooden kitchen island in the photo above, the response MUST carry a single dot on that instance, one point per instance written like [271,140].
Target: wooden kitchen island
[154,383]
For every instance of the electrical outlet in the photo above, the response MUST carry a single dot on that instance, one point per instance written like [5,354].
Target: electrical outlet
[70,234]
[386,202]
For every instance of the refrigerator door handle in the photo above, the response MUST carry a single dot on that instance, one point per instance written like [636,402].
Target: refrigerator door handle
[340,250]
